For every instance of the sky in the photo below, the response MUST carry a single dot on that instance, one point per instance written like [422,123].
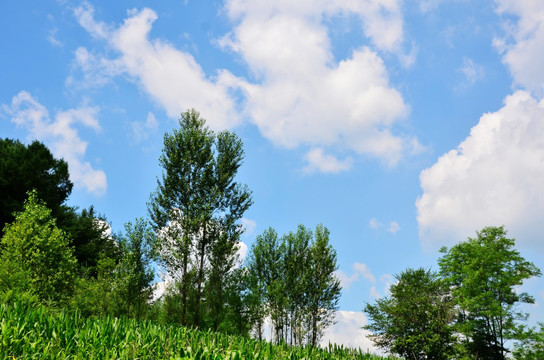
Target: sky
[402,126]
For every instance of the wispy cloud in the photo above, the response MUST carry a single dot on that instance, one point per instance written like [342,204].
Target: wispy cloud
[393,227]
[170,76]
[142,130]
[318,161]
[61,134]
[472,71]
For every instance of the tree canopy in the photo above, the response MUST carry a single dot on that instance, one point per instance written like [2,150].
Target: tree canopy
[36,256]
[292,280]
[197,205]
[24,168]
[484,274]
[415,321]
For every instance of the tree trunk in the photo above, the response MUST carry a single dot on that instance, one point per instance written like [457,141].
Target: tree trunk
[184,291]
[200,278]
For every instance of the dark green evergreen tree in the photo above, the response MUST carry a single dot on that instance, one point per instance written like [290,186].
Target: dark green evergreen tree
[33,167]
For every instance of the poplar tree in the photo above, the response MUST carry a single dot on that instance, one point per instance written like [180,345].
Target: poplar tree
[197,204]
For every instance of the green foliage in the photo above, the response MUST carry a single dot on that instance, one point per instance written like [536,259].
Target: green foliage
[292,280]
[89,238]
[36,257]
[122,285]
[484,273]
[196,207]
[100,295]
[29,332]
[531,345]
[135,273]
[415,321]
[33,167]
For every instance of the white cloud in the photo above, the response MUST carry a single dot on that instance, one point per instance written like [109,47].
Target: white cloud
[142,130]
[348,332]
[51,34]
[51,37]
[523,44]
[382,19]
[472,71]
[304,97]
[393,228]
[493,178]
[374,294]
[364,270]
[388,279]
[320,162]
[96,70]
[171,77]
[61,136]
[374,224]
[249,226]
[241,252]
[345,280]
[301,96]
[360,270]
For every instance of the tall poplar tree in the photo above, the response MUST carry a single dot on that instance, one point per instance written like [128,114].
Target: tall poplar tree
[197,204]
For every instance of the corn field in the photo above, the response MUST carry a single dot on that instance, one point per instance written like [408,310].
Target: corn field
[28,332]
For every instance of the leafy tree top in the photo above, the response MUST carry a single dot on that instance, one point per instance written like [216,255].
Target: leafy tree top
[24,168]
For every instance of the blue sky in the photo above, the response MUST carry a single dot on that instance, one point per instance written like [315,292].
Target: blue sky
[402,126]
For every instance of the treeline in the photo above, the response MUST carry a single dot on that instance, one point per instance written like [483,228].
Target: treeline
[469,309]
[56,255]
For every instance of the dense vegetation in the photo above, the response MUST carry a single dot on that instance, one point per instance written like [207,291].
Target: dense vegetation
[70,260]
[27,332]
[469,310]
[70,288]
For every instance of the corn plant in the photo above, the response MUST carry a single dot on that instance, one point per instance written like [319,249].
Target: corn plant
[33,332]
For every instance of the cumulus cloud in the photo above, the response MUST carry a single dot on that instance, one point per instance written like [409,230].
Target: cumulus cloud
[299,94]
[171,77]
[347,331]
[61,135]
[522,46]
[302,95]
[494,177]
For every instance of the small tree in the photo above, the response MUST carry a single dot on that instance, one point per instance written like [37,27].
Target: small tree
[134,269]
[484,273]
[36,257]
[415,321]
